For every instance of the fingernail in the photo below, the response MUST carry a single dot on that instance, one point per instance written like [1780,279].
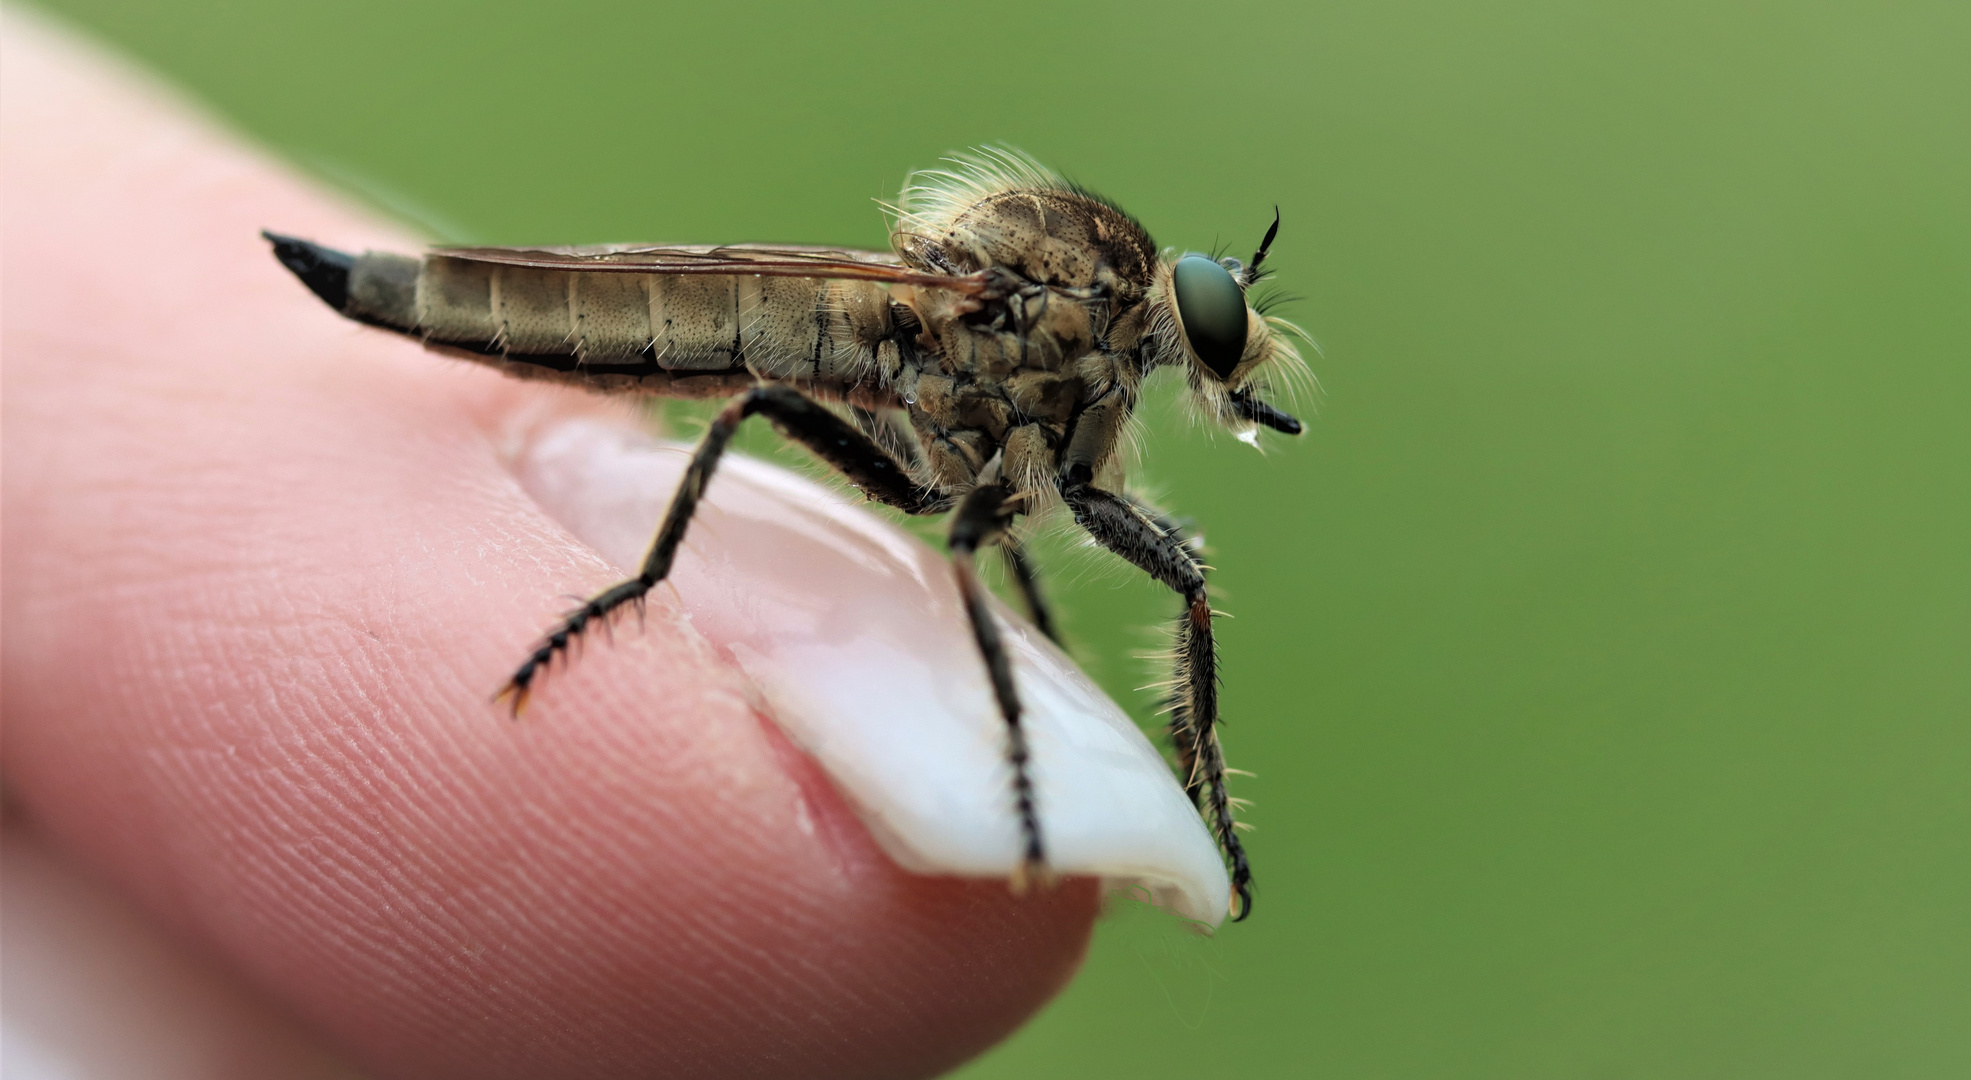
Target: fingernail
[853,633]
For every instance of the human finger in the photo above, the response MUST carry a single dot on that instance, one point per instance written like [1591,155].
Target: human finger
[258,576]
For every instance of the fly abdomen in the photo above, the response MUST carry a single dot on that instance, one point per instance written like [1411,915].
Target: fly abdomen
[814,329]
[613,331]
[783,327]
[675,323]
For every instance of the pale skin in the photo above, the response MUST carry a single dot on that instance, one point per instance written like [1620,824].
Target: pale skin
[263,571]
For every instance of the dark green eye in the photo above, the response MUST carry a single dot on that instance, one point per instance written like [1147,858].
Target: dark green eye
[1213,310]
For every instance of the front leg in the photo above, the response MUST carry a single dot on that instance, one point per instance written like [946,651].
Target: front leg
[1116,524]
[1183,733]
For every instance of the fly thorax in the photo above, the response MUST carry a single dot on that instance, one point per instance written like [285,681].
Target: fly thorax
[1068,262]
[1054,237]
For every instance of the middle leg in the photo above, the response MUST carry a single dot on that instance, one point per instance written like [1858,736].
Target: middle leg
[982,518]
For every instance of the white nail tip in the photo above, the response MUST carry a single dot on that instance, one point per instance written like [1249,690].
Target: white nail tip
[855,637]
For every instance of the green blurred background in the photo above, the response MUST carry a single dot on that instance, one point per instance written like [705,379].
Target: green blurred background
[1601,649]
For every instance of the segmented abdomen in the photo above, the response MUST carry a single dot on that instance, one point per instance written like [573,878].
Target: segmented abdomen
[778,326]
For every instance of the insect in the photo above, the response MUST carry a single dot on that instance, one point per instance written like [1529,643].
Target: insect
[986,367]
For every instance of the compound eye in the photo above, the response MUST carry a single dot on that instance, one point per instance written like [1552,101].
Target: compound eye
[1213,310]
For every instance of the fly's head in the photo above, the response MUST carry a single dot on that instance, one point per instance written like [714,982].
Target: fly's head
[1203,319]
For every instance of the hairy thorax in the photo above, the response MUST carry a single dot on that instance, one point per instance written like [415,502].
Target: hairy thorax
[1006,374]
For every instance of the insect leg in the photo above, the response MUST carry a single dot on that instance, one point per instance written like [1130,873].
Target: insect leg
[1172,527]
[1029,585]
[981,519]
[1118,525]
[895,439]
[861,460]
[1183,731]
[830,437]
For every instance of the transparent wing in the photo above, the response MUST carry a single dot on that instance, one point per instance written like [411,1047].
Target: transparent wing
[779,261]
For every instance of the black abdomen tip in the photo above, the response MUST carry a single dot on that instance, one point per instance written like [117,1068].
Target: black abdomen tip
[324,270]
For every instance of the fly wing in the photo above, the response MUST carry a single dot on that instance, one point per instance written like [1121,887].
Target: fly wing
[765,261]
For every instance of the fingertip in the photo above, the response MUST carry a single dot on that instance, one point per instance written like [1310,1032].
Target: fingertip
[256,699]
[945,966]
[854,637]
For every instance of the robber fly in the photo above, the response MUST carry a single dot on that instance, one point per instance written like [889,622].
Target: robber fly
[986,366]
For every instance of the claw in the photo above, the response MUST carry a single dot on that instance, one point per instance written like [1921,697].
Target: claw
[515,696]
[1030,874]
[1240,904]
